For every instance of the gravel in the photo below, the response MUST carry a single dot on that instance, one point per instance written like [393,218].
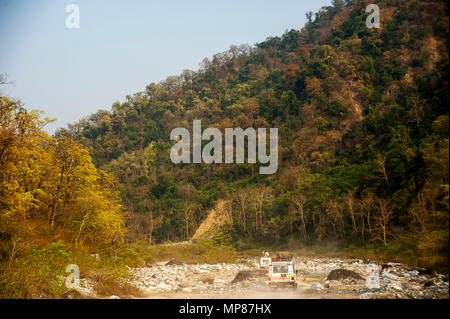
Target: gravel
[391,280]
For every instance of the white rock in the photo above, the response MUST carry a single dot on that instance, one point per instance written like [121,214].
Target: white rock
[316,286]
[396,286]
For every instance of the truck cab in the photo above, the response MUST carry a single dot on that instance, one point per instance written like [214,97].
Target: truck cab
[282,272]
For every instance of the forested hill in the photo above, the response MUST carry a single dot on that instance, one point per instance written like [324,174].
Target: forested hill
[363,126]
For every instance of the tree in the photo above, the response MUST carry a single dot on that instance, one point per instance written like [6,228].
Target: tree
[381,162]
[261,196]
[43,177]
[299,201]
[242,202]
[350,200]
[188,210]
[382,217]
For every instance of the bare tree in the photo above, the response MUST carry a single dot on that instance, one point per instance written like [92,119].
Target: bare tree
[3,81]
[152,225]
[350,199]
[242,201]
[261,195]
[365,206]
[381,161]
[188,209]
[299,201]
[383,217]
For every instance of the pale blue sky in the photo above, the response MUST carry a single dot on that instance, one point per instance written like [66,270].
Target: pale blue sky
[122,46]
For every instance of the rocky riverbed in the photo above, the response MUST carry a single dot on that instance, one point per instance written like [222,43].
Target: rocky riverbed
[361,279]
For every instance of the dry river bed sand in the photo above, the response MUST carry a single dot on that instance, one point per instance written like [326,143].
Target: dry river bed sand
[215,281]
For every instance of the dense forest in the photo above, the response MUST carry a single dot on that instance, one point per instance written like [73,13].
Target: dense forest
[362,116]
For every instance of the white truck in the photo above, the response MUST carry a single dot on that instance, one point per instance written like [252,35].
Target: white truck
[265,260]
[282,272]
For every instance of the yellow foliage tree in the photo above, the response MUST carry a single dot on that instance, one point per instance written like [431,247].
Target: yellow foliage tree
[53,178]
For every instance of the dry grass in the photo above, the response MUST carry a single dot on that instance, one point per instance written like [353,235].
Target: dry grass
[39,270]
[200,252]
[106,288]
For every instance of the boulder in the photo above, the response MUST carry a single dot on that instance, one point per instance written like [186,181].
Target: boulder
[396,286]
[175,262]
[341,274]
[249,274]
[316,286]
[207,280]
[420,270]
[385,266]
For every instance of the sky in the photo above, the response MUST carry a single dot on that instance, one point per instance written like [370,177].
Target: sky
[122,46]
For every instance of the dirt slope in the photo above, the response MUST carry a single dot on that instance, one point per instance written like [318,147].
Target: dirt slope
[218,216]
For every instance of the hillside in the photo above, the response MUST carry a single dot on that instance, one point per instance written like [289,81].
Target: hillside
[363,128]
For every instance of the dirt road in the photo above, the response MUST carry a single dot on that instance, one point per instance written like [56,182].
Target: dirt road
[215,281]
